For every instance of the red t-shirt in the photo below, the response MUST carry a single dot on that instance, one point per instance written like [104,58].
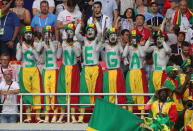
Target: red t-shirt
[145,33]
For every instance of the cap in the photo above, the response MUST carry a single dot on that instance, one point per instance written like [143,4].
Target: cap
[171,68]
[111,31]
[48,29]
[90,26]
[70,27]
[27,29]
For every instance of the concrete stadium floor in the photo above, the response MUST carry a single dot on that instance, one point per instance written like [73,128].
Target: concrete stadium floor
[43,126]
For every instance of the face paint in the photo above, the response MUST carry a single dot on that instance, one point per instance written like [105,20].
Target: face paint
[70,34]
[91,33]
[47,35]
[28,36]
[159,43]
[113,38]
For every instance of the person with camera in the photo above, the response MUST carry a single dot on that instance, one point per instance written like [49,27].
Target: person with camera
[8,91]
[160,56]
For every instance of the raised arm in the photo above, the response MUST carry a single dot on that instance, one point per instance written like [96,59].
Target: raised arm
[147,48]
[167,47]
[19,52]
[77,32]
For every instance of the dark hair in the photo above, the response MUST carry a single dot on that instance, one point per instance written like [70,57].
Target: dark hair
[140,15]
[124,30]
[185,43]
[5,54]
[98,3]
[71,3]
[153,3]
[133,13]
[44,2]
[183,33]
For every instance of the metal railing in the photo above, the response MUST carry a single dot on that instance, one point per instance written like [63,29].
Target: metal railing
[68,104]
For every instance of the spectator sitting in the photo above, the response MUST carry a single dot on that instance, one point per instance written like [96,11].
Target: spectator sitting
[22,13]
[8,91]
[37,9]
[9,29]
[104,21]
[127,22]
[154,19]
[61,7]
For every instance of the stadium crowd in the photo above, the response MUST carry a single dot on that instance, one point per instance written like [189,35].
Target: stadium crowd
[98,46]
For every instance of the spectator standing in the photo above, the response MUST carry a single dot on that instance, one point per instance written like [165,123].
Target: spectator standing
[9,89]
[103,20]
[143,32]
[127,21]
[5,60]
[176,48]
[44,18]
[70,15]
[9,28]
[22,13]
[109,8]
[154,19]
[183,56]
[37,9]
[169,13]
[125,4]
[183,16]
[61,7]
[163,108]
[140,7]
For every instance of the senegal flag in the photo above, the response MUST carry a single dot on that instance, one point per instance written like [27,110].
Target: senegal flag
[110,117]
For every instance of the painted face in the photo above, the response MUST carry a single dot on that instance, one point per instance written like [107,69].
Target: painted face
[113,38]
[91,33]
[28,36]
[159,43]
[47,35]
[70,34]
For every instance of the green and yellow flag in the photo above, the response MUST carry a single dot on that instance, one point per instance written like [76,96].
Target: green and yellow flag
[110,117]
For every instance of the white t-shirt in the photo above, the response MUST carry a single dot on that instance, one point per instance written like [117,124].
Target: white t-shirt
[66,17]
[36,4]
[11,99]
